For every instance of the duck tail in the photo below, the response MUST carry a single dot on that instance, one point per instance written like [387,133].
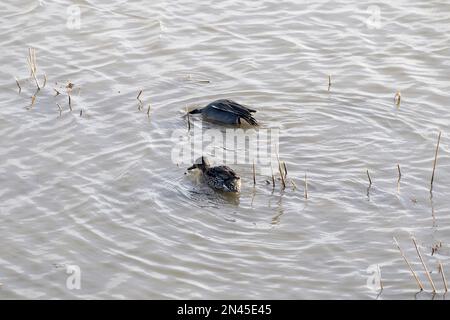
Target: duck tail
[251,120]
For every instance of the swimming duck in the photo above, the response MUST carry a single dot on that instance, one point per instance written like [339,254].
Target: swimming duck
[220,178]
[227,111]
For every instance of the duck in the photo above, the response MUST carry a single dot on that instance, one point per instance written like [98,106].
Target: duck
[221,178]
[228,112]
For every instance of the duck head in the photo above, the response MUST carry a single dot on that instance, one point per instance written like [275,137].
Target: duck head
[201,163]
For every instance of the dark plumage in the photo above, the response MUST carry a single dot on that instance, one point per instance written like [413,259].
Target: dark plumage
[227,111]
[220,178]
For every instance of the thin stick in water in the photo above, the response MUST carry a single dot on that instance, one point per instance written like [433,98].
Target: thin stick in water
[370,180]
[409,265]
[285,169]
[59,108]
[444,280]
[306,187]
[435,162]
[329,82]
[273,177]
[424,265]
[18,84]
[188,119]
[397,98]
[70,102]
[381,280]
[294,186]
[254,174]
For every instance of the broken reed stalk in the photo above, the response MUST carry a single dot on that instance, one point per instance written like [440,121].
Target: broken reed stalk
[306,187]
[45,80]
[18,84]
[59,108]
[424,265]
[81,112]
[139,94]
[444,280]
[254,174]
[409,265]
[370,180]
[397,98]
[148,110]
[435,162]
[329,82]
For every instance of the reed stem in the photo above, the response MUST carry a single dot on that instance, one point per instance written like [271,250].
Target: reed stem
[370,180]
[306,187]
[409,265]
[435,162]
[424,265]
[444,280]
[254,174]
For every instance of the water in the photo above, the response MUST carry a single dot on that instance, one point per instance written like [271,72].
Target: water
[100,192]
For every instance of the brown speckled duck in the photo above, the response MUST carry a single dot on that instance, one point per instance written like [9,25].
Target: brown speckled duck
[220,178]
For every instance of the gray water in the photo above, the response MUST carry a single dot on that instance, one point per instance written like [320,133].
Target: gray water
[100,192]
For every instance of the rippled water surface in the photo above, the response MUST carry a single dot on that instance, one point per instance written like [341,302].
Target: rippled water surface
[100,191]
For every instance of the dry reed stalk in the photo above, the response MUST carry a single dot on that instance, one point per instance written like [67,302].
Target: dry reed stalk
[254,174]
[148,111]
[33,99]
[81,112]
[370,180]
[329,82]
[435,162]
[139,94]
[32,64]
[444,280]
[18,84]
[306,187]
[45,81]
[424,265]
[399,175]
[409,265]
[397,98]
[57,92]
